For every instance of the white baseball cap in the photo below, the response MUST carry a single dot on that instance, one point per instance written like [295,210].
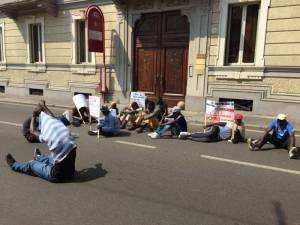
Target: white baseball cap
[281,116]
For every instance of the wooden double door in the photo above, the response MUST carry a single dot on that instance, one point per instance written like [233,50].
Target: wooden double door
[161,56]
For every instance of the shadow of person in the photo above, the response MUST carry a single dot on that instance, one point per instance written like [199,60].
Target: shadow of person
[89,174]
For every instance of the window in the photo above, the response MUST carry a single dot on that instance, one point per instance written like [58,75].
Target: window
[82,53]
[241,33]
[239,104]
[34,91]
[35,43]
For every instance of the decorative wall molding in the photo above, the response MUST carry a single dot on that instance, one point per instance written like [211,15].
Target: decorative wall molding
[265,92]
[237,72]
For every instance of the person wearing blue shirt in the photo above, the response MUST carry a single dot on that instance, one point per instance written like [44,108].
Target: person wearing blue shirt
[280,133]
[110,124]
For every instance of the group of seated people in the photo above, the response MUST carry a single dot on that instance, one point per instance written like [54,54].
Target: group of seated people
[157,120]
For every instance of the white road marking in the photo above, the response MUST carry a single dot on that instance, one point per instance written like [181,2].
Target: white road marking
[135,144]
[295,172]
[10,123]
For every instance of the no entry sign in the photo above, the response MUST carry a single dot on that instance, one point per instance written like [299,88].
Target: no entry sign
[95,26]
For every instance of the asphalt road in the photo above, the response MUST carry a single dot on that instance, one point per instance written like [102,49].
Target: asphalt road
[132,180]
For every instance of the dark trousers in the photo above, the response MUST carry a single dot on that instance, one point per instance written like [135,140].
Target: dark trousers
[65,170]
[274,141]
[212,135]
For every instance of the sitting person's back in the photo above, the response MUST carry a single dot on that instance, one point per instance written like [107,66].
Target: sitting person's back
[110,124]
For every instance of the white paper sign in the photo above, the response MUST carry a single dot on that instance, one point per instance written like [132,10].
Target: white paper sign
[80,101]
[139,98]
[219,111]
[94,106]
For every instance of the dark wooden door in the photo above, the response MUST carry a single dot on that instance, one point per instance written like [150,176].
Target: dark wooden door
[161,49]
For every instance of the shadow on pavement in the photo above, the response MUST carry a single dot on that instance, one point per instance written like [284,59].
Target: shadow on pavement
[89,174]
[281,218]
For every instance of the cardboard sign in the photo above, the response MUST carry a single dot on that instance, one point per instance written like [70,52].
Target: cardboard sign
[219,111]
[94,106]
[139,98]
[80,101]
[95,26]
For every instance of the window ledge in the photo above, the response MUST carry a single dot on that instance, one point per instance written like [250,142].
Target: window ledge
[237,72]
[84,69]
[36,67]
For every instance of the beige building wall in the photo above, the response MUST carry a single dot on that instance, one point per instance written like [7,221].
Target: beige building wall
[61,74]
[274,83]
[283,34]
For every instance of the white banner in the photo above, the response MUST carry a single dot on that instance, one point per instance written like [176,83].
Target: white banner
[139,98]
[80,101]
[219,111]
[94,106]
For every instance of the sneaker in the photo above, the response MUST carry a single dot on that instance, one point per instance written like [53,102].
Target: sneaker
[10,160]
[150,134]
[293,153]
[251,144]
[183,135]
[36,153]
[154,135]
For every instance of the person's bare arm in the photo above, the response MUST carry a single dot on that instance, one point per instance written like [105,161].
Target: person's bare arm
[293,139]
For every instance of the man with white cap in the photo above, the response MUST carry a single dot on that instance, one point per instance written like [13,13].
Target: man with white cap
[280,133]
[175,122]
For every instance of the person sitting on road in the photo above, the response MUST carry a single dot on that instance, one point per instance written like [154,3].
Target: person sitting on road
[238,130]
[110,124]
[147,119]
[280,133]
[216,132]
[60,164]
[175,123]
[129,114]
[114,109]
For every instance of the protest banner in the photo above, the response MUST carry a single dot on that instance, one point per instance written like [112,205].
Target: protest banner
[79,102]
[219,112]
[139,98]
[94,107]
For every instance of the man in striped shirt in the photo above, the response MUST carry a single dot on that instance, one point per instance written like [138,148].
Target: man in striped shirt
[60,164]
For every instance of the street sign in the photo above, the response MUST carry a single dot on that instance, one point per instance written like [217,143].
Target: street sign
[95,26]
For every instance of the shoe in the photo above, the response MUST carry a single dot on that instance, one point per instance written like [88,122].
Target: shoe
[133,127]
[293,153]
[36,153]
[140,130]
[184,135]
[150,134]
[251,144]
[10,160]
[155,135]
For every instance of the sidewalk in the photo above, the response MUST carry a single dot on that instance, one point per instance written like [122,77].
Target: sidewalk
[253,122]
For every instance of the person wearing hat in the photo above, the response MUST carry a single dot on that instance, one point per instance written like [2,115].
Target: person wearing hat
[216,132]
[280,133]
[110,124]
[238,130]
[175,123]
[114,109]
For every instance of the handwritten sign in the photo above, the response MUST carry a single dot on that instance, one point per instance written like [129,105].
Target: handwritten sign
[80,101]
[139,98]
[94,106]
[219,111]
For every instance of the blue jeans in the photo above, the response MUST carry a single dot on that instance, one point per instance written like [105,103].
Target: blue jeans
[162,130]
[41,166]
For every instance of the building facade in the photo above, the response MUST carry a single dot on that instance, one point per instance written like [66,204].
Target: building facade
[242,50]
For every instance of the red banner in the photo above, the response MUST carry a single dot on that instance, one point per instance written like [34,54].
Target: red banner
[95,28]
